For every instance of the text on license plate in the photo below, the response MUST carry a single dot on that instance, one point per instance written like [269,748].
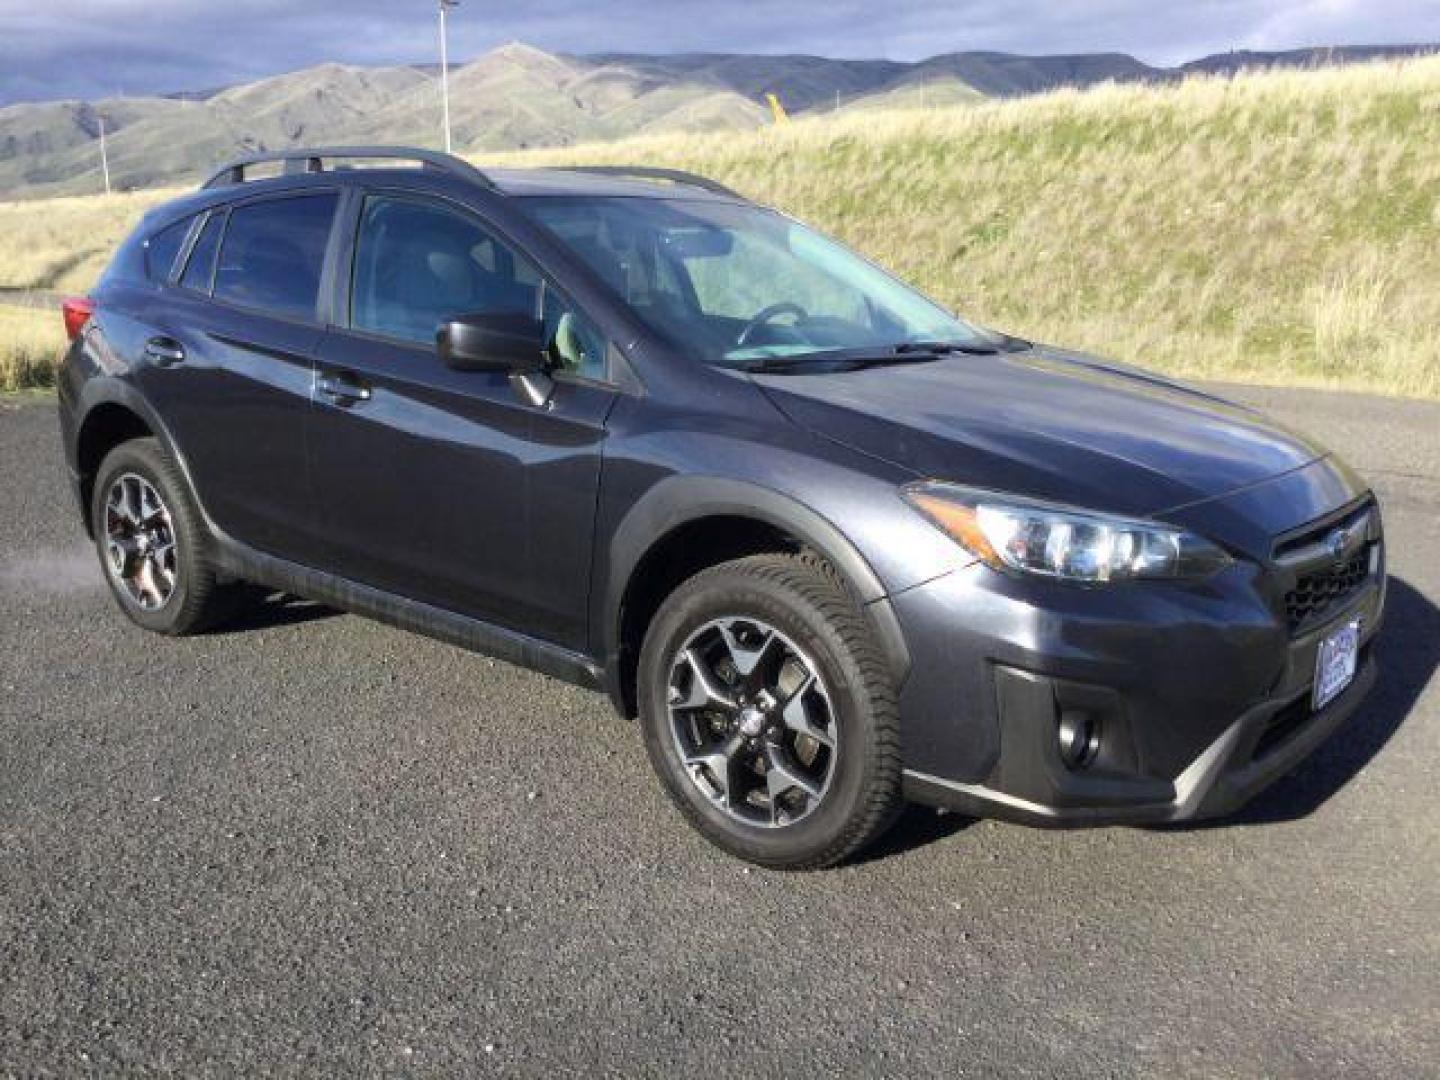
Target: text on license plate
[1335,662]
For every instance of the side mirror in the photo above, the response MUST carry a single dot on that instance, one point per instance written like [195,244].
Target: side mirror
[500,341]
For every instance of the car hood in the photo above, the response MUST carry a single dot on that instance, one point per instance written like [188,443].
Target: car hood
[1048,424]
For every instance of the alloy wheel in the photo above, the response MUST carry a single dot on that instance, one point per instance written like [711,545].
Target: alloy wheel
[752,721]
[140,549]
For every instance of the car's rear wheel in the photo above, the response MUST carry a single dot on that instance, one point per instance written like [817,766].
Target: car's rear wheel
[153,544]
[769,713]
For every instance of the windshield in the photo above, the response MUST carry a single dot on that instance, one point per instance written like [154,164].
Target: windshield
[737,283]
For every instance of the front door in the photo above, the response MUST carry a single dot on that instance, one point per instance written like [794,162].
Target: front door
[444,486]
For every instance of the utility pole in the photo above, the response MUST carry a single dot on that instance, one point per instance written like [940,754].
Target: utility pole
[445,69]
[104,157]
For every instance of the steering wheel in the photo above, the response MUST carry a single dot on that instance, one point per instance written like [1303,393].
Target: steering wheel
[785,307]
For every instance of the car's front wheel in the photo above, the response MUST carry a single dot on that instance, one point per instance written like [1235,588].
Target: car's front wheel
[769,713]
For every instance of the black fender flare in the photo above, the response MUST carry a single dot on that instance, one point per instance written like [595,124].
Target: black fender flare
[113,391]
[681,499]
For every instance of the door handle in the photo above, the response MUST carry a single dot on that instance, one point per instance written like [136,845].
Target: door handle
[164,351]
[342,389]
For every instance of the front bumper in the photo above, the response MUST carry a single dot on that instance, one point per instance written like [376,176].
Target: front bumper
[1202,695]
[1240,764]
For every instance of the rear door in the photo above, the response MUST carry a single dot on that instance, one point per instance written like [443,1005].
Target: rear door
[232,367]
[444,486]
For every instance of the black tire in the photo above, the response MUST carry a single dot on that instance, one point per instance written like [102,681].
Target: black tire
[804,599]
[199,598]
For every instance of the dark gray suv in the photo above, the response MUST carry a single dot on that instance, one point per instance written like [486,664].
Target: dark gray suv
[832,545]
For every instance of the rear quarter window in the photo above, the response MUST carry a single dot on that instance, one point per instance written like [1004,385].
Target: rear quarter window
[128,264]
[273,254]
[162,248]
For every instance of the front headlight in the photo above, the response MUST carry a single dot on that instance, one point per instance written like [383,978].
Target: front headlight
[1030,537]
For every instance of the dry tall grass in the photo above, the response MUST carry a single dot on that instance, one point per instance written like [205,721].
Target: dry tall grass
[1278,227]
[31,341]
[63,244]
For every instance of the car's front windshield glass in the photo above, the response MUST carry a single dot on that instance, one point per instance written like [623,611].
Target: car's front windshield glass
[737,284]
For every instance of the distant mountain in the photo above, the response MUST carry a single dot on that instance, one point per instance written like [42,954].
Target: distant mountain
[1322,56]
[519,96]
[803,83]
[52,147]
[811,82]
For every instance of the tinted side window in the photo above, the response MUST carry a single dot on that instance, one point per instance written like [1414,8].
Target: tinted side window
[419,263]
[161,249]
[273,254]
[200,268]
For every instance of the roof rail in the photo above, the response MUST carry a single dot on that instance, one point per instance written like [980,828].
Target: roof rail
[312,160]
[644,172]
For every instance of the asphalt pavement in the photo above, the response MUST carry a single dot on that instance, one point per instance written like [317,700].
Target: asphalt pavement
[314,844]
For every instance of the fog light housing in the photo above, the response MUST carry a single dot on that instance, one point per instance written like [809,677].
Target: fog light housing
[1077,736]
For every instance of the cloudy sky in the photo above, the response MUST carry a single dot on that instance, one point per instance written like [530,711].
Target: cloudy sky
[94,48]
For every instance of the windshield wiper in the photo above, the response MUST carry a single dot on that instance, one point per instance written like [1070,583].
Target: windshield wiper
[854,359]
[942,347]
[848,360]
[789,365]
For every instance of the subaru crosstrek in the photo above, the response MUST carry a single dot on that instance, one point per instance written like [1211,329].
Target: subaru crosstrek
[832,545]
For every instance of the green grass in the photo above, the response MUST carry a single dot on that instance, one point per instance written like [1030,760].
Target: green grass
[1280,227]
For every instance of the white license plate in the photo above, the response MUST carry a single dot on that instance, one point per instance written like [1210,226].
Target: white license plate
[1335,662]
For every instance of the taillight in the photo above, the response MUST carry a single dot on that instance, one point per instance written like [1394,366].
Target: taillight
[77,311]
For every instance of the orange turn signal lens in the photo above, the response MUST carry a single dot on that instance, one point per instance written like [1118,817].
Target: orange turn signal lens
[957,521]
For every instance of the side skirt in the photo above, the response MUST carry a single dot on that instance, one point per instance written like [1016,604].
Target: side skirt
[473,634]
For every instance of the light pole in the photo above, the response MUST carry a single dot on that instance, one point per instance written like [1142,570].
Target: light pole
[445,69]
[104,157]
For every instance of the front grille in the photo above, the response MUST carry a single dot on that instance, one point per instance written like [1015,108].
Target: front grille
[1317,592]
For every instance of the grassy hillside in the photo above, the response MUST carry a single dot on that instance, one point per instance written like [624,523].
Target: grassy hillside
[1277,227]
[1280,227]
